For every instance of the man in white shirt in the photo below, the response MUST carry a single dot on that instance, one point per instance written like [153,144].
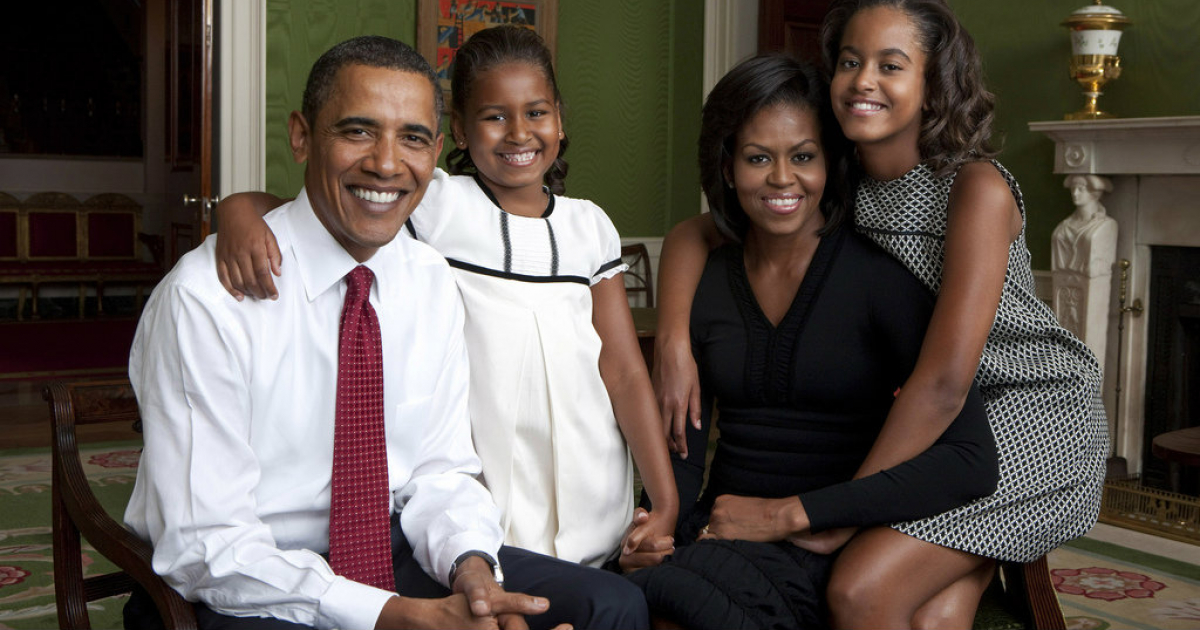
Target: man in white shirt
[239,399]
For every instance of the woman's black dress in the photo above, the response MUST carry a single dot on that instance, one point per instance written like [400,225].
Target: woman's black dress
[800,404]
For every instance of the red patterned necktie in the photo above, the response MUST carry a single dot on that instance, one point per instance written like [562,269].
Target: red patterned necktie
[360,546]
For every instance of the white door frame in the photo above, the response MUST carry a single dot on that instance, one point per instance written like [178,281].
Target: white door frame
[241,114]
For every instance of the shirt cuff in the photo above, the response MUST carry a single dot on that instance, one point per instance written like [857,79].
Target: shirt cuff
[348,604]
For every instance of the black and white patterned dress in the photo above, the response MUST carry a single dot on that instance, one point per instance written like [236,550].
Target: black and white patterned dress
[1041,386]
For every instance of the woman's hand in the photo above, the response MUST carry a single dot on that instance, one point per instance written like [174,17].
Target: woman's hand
[825,542]
[677,386]
[247,254]
[647,541]
[754,519]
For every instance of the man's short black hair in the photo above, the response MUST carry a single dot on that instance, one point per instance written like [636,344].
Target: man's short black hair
[374,51]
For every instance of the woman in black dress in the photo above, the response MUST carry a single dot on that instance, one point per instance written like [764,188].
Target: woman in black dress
[802,332]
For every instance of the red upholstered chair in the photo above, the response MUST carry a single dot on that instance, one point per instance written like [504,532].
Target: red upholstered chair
[76,512]
[10,241]
[111,233]
[52,226]
[52,241]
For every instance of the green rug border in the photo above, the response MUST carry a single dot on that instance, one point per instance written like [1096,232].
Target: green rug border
[1125,554]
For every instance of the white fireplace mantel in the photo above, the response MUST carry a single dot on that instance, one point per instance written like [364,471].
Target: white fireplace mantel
[1127,146]
[1154,164]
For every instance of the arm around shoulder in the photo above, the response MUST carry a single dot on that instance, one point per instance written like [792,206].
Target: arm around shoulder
[677,383]
[247,254]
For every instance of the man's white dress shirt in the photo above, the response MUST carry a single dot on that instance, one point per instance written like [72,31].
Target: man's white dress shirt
[237,401]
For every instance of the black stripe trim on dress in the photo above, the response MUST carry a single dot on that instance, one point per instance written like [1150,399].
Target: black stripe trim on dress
[507,241]
[608,265]
[864,229]
[508,275]
[412,230]
[553,249]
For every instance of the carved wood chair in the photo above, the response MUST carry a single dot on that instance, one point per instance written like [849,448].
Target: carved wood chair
[638,279]
[1021,596]
[76,511]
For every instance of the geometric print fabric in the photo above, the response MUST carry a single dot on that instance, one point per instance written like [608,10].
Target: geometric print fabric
[360,546]
[1041,387]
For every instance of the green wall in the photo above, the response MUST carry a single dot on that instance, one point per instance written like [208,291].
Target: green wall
[1025,54]
[629,71]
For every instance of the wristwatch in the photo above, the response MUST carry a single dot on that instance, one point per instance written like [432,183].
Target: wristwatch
[497,574]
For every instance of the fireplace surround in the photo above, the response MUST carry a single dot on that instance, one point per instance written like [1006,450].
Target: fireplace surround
[1154,165]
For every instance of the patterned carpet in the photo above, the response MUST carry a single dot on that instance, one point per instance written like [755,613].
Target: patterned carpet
[26,554]
[1104,586]
[1101,585]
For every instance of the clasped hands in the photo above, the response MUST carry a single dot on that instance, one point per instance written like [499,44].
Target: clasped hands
[647,541]
[477,602]
[756,519]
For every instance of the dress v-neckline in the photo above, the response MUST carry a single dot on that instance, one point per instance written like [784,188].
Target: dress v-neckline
[770,349]
[809,285]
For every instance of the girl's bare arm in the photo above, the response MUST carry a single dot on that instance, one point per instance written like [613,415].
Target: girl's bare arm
[983,221]
[676,381]
[247,254]
[623,370]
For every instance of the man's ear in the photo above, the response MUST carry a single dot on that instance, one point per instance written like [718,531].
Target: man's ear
[298,135]
[437,144]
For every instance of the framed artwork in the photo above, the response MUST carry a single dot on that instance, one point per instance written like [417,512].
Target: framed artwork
[443,26]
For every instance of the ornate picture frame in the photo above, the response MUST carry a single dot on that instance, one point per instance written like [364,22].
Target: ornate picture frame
[443,25]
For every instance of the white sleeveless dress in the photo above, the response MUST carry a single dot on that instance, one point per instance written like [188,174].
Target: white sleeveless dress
[553,455]
[1040,384]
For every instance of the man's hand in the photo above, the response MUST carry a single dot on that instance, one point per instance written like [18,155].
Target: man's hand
[478,602]
[486,598]
[443,612]
[751,518]
[645,543]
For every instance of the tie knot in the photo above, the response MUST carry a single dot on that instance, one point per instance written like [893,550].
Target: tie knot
[358,283]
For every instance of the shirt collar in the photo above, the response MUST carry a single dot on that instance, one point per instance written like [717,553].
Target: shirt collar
[320,259]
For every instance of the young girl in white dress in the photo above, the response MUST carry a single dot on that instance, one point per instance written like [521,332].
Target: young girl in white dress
[558,383]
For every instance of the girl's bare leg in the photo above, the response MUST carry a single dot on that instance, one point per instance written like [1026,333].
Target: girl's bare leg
[884,578]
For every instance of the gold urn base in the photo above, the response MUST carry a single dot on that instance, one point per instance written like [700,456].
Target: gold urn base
[1092,72]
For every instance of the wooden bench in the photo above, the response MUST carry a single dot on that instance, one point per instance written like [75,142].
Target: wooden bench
[53,238]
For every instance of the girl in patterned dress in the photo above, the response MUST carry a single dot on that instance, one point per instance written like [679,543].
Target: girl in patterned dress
[560,392]
[907,90]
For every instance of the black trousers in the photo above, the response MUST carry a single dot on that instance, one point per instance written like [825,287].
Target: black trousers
[581,596]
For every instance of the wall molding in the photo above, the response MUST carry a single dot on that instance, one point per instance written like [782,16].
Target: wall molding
[242,39]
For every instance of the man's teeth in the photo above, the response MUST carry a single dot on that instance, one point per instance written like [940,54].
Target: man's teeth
[375,196]
[520,158]
[866,107]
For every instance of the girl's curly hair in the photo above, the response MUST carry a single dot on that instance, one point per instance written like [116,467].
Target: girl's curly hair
[956,125]
[489,48]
